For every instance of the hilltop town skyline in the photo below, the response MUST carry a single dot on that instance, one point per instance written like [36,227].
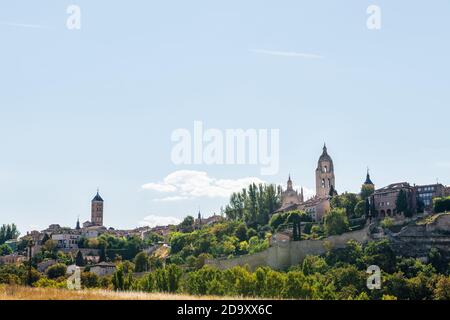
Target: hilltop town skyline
[96,107]
[293,196]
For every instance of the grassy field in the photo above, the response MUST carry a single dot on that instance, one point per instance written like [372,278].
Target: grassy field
[26,293]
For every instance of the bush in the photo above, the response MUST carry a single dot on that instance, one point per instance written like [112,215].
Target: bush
[57,270]
[441,204]
[336,222]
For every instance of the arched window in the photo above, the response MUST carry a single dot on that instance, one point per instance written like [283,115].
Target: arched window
[323,183]
[325,169]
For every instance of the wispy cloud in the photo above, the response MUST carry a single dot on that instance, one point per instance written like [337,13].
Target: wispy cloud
[22,25]
[188,184]
[155,220]
[289,54]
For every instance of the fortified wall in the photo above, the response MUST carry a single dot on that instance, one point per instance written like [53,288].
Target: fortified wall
[417,240]
[282,255]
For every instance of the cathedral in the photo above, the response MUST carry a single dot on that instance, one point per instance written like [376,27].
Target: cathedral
[319,205]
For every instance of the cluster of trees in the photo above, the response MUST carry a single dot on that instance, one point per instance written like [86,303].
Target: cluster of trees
[338,274]
[254,204]
[7,232]
[228,238]
[441,204]
[116,248]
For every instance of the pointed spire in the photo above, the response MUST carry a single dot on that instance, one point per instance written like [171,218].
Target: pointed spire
[324,148]
[97,196]
[368,180]
[78,224]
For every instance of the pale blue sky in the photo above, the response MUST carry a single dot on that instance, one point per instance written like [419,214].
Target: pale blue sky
[96,107]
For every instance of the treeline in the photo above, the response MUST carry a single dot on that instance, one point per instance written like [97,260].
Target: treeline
[229,238]
[8,232]
[338,274]
[441,204]
[254,204]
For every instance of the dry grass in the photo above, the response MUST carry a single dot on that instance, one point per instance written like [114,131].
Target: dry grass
[26,293]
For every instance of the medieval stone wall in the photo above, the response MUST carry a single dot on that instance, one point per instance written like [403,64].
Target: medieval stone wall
[282,255]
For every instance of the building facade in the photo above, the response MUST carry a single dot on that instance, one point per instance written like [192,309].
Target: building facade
[384,200]
[427,193]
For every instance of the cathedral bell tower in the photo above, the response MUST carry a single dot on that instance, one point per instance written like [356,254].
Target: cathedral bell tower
[325,180]
[97,210]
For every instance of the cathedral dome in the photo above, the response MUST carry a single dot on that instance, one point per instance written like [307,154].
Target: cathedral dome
[325,157]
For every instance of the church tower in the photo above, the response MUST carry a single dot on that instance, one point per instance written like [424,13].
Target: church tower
[97,210]
[325,180]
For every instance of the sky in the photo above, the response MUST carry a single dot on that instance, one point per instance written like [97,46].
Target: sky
[96,107]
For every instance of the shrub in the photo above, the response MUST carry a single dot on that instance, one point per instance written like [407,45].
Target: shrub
[56,271]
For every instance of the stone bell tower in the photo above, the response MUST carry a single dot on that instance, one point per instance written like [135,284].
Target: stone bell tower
[325,180]
[97,210]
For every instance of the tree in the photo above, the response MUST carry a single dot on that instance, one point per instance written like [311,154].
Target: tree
[90,280]
[295,219]
[241,232]
[254,204]
[346,201]
[401,203]
[122,278]
[367,190]
[141,262]
[336,222]
[188,224]
[79,260]
[314,264]
[441,204]
[56,271]
[5,250]
[442,290]
[360,209]
[8,232]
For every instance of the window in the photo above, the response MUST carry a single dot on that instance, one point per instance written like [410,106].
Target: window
[323,183]
[325,169]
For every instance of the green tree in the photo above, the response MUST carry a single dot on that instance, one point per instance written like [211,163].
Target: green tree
[441,204]
[314,264]
[79,260]
[187,225]
[8,232]
[90,280]
[141,262]
[5,250]
[367,190]
[56,271]
[442,290]
[360,209]
[336,222]
[401,203]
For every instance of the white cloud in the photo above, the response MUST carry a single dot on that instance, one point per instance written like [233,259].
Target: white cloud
[188,184]
[289,54]
[169,199]
[154,221]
